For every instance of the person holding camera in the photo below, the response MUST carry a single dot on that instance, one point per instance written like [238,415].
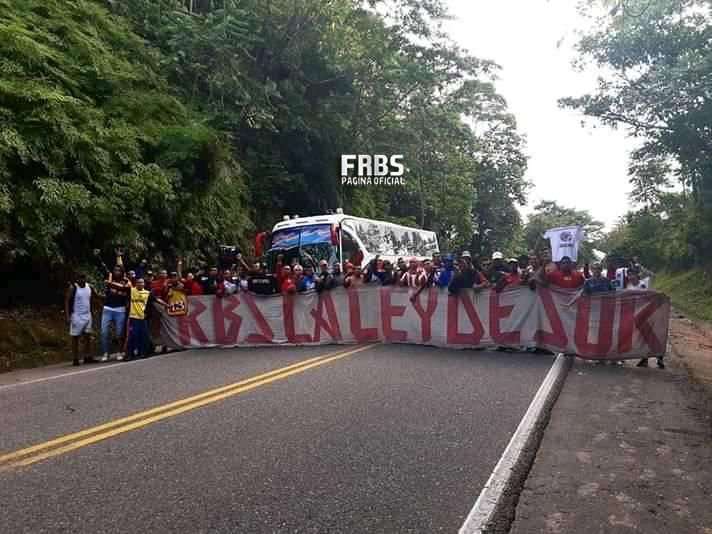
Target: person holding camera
[260,282]
[209,282]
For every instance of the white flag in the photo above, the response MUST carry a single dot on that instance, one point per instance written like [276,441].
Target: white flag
[565,241]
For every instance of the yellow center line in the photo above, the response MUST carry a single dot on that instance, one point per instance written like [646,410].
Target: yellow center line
[119,426]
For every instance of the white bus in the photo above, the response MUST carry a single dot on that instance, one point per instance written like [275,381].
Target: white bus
[339,238]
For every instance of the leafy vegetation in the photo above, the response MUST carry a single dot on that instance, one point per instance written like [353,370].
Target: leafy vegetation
[94,147]
[690,292]
[170,126]
[657,67]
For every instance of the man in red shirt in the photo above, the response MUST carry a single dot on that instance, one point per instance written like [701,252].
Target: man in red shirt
[191,285]
[159,285]
[287,284]
[565,277]
[513,277]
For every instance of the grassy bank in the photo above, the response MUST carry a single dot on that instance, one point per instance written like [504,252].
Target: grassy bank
[32,337]
[690,292]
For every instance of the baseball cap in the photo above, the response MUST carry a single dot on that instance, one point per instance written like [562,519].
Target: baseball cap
[512,260]
[497,256]
[298,268]
[466,254]
[565,258]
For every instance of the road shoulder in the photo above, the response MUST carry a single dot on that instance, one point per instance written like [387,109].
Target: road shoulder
[627,449]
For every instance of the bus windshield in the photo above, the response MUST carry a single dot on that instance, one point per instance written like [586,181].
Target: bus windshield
[308,244]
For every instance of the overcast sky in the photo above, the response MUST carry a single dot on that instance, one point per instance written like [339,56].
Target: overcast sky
[578,167]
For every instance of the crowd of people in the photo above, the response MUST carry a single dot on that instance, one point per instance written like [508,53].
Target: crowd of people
[130,294]
[455,274]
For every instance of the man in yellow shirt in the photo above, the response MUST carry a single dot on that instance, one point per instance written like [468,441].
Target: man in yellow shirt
[139,299]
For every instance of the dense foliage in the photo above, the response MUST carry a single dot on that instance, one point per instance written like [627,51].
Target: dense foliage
[95,148]
[170,126]
[657,64]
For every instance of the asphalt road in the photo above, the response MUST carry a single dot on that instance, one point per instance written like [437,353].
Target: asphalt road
[394,438]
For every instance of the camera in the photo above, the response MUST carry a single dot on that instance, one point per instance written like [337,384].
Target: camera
[228,256]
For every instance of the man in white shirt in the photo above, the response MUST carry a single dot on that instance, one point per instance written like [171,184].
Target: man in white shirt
[77,309]
[634,281]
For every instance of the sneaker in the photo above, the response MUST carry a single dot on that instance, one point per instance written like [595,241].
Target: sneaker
[661,365]
[642,363]
[104,357]
[120,358]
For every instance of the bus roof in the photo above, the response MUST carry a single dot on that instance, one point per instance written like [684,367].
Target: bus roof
[335,218]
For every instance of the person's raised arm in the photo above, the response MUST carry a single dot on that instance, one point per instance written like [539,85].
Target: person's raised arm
[118,286]
[153,298]
[481,283]
[242,262]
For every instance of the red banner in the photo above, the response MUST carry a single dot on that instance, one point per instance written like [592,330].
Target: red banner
[624,324]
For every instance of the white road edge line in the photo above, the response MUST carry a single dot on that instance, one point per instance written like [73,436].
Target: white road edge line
[485,507]
[113,364]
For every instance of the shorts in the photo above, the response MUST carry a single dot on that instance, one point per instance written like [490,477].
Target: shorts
[80,325]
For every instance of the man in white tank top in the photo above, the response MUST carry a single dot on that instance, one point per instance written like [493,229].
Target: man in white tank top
[77,307]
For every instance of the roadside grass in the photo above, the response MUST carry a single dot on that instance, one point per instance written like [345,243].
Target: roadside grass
[33,337]
[689,291]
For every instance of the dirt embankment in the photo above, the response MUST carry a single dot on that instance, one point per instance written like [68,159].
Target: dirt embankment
[691,341]
[32,337]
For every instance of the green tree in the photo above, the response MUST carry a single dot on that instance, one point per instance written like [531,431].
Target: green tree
[657,62]
[658,234]
[297,84]
[94,148]
[172,125]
